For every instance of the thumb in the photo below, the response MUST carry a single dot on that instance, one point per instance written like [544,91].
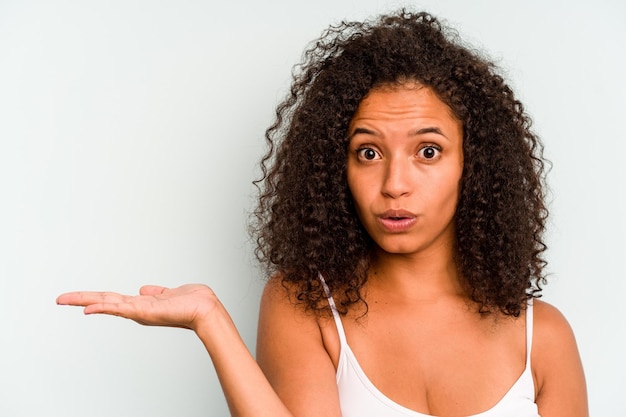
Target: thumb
[151,290]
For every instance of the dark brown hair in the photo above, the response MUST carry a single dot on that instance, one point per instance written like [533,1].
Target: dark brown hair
[305,223]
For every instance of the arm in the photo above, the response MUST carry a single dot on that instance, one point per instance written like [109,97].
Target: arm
[195,307]
[292,353]
[558,371]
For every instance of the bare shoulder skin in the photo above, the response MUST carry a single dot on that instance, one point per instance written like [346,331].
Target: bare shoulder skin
[298,353]
[557,368]
[292,354]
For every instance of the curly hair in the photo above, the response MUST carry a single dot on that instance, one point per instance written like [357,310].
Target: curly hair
[306,224]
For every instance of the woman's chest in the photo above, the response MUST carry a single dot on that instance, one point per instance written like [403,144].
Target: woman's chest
[443,364]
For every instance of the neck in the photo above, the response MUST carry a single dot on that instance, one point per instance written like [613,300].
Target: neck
[416,276]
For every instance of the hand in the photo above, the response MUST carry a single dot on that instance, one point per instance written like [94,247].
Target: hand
[185,306]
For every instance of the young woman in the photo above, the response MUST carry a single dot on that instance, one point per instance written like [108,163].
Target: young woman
[401,218]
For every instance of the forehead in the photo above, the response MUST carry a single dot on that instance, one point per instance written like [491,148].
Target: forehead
[393,96]
[405,104]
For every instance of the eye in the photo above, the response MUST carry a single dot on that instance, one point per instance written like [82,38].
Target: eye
[430,152]
[367,154]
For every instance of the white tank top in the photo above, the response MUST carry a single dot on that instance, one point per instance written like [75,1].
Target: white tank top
[358,397]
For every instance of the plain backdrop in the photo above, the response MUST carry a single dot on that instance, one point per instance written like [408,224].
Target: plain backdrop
[130,132]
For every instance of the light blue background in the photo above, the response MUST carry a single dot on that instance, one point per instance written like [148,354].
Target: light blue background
[129,136]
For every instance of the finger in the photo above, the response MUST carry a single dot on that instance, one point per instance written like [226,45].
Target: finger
[133,311]
[84,298]
[121,309]
[151,290]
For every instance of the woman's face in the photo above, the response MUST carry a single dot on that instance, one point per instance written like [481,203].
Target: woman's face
[405,161]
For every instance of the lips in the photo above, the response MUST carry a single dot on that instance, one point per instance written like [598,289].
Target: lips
[397,221]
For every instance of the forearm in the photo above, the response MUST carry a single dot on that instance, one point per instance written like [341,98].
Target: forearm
[247,390]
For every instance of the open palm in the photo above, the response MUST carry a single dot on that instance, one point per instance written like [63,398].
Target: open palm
[184,306]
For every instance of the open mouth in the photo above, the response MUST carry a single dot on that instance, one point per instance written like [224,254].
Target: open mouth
[397,221]
[397,214]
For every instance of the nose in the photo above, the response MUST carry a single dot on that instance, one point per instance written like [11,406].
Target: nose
[397,181]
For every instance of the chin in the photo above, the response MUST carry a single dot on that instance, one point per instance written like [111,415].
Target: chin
[399,249]
[413,246]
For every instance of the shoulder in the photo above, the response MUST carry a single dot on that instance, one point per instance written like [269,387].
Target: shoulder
[279,301]
[550,325]
[556,363]
[279,307]
[552,334]
[287,330]
[292,354]
[282,317]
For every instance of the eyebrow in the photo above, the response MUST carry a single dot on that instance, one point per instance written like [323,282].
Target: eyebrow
[422,131]
[425,130]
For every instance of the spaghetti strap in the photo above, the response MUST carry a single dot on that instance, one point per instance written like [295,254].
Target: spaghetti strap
[336,316]
[529,331]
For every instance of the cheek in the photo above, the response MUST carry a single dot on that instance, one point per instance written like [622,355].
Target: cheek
[445,192]
[455,193]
